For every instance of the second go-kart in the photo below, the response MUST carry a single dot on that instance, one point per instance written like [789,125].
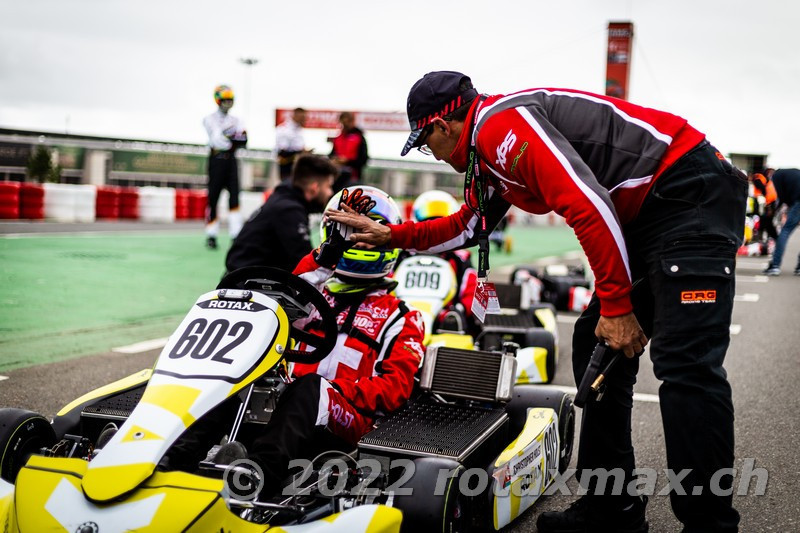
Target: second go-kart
[95,468]
[428,283]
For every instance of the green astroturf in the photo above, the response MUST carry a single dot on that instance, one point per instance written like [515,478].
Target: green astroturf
[73,295]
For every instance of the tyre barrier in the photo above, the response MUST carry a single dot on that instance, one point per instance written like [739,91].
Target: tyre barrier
[249,202]
[108,202]
[9,199]
[63,202]
[182,204]
[31,201]
[157,204]
[69,203]
[129,203]
[197,204]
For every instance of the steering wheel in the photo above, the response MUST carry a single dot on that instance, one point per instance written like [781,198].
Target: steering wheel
[295,296]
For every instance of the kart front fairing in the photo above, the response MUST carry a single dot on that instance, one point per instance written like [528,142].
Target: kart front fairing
[227,340]
[221,346]
[47,497]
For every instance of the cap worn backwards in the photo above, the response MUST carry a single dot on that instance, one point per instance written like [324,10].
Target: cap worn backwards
[436,94]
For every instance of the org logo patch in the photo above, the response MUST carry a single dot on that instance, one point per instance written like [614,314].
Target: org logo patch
[698,297]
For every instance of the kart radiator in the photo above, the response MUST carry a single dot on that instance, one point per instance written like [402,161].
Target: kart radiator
[425,428]
[118,406]
[473,374]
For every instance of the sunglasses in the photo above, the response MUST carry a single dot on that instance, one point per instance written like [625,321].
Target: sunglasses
[422,144]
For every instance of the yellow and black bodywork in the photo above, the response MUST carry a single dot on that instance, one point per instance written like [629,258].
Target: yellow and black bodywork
[48,497]
[119,489]
[527,438]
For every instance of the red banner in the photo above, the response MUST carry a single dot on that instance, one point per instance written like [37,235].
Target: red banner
[620,41]
[366,120]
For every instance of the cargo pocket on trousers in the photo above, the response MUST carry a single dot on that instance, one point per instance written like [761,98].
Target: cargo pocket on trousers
[694,293]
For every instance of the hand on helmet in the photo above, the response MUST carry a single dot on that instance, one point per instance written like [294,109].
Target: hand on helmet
[338,240]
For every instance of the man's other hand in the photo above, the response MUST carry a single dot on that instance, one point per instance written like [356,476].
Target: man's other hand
[622,333]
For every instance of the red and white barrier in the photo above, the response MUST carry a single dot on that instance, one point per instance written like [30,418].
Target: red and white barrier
[248,203]
[157,204]
[31,201]
[9,199]
[197,204]
[85,203]
[129,203]
[182,204]
[69,203]
[108,202]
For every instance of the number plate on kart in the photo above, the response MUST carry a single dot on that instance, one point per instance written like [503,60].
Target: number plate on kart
[425,276]
[221,338]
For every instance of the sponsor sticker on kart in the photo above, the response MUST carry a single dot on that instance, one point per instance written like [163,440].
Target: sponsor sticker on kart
[525,476]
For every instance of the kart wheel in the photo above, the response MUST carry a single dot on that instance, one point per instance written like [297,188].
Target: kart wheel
[543,339]
[22,433]
[424,509]
[526,396]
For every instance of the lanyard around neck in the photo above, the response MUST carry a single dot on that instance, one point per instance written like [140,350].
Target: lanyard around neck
[474,176]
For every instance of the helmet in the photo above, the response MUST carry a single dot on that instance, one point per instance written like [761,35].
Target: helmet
[222,92]
[377,262]
[434,204]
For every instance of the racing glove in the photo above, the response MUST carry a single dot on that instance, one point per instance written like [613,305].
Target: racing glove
[338,240]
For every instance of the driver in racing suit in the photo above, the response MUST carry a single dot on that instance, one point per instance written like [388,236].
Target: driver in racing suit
[370,372]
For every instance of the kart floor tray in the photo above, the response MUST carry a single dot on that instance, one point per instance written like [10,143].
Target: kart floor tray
[434,429]
[517,321]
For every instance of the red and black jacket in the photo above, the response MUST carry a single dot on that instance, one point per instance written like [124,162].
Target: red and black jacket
[590,158]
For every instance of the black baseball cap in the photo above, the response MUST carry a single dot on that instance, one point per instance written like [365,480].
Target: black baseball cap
[436,94]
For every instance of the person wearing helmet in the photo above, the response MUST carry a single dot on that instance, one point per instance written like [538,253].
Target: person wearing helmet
[431,205]
[370,373]
[226,134]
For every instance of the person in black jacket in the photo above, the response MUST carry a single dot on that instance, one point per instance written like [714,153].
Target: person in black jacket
[277,235]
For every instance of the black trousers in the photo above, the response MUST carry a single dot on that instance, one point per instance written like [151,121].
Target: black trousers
[223,173]
[682,249]
[293,433]
[766,222]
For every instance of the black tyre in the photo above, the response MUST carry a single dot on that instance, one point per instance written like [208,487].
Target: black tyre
[22,433]
[526,396]
[429,510]
[543,339]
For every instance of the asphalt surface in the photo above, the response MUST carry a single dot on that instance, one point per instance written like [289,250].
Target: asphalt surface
[762,364]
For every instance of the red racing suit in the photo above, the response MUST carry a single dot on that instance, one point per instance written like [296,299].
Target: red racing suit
[590,158]
[371,370]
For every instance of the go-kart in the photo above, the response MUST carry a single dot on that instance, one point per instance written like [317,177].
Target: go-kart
[428,283]
[566,287]
[469,450]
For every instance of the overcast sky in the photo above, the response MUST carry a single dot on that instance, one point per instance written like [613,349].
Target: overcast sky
[146,69]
